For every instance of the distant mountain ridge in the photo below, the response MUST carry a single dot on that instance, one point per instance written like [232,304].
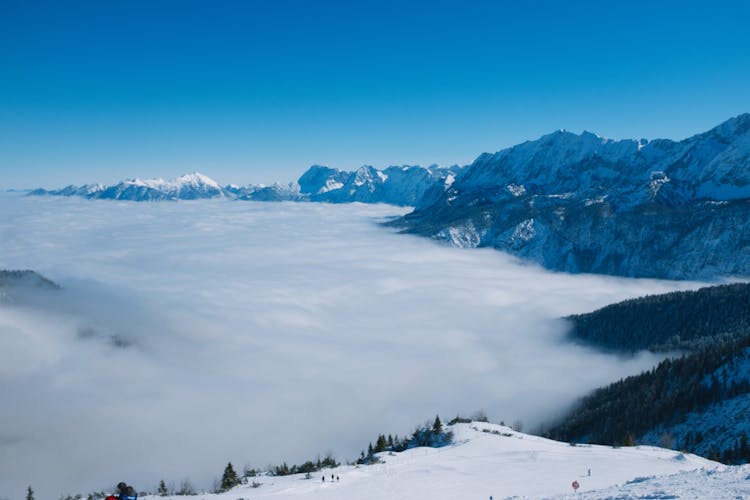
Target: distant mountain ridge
[583,203]
[186,187]
[405,186]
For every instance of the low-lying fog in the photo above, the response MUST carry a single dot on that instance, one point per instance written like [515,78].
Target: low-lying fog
[191,334]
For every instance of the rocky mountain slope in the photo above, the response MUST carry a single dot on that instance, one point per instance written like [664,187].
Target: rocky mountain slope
[406,186]
[582,203]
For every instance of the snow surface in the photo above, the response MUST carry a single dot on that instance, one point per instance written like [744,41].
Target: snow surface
[493,460]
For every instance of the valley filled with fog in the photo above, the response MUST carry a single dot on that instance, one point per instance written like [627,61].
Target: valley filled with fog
[189,334]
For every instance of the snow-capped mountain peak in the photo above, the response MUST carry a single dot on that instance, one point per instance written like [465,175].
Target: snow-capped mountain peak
[196,179]
[185,187]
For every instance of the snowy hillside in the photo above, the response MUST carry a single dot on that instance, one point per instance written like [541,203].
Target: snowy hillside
[583,203]
[717,484]
[492,460]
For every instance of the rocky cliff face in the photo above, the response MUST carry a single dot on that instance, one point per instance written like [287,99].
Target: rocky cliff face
[581,203]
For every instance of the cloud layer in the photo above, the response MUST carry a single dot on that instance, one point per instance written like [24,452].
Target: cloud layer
[191,334]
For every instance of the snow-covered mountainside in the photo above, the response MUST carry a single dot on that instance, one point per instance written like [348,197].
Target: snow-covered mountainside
[582,203]
[699,403]
[412,186]
[275,192]
[490,460]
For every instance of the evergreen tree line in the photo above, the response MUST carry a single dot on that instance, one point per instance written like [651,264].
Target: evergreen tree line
[688,321]
[661,396]
[305,468]
[12,277]
[432,436]
[737,454]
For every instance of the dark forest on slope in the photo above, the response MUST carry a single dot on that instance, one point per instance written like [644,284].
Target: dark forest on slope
[674,321]
[711,326]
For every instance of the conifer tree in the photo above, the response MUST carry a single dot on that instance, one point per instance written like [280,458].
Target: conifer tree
[437,427]
[162,490]
[380,444]
[230,479]
[629,441]
[29,493]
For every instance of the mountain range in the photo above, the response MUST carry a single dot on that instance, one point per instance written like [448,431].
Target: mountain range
[582,203]
[192,186]
[407,186]
[570,202]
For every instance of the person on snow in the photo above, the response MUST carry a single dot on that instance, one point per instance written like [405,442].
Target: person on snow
[126,492]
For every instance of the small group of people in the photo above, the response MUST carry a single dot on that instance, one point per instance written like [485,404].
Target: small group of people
[124,492]
[332,478]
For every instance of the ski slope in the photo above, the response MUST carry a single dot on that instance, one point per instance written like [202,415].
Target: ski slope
[492,460]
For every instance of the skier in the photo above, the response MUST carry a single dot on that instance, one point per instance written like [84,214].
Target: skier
[126,492]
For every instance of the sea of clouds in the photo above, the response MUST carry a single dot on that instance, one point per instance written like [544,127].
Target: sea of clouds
[190,334]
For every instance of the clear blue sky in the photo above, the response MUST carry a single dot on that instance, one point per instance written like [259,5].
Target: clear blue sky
[256,91]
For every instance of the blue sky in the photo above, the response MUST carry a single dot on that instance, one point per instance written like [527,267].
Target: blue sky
[256,91]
